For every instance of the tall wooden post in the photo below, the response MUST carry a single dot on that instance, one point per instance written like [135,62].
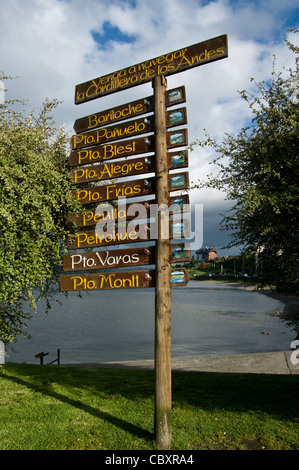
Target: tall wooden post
[163,432]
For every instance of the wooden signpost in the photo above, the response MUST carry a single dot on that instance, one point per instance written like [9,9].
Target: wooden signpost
[102,150]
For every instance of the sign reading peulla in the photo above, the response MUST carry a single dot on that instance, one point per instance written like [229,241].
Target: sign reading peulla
[122,213]
[168,64]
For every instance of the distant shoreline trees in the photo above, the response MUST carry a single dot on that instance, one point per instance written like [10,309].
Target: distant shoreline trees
[258,172]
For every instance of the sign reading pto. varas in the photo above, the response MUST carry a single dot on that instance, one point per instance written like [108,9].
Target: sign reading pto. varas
[168,64]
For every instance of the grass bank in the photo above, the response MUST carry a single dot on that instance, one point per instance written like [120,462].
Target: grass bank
[60,407]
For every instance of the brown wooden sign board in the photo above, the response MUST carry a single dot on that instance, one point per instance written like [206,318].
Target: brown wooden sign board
[174,118]
[128,189]
[125,148]
[168,64]
[112,151]
[136,166]
[119,280]
[127,111]
[139,256]
[90,239]
[112,213]
[113,133]
[108,213]
[110,192]
[134,234]
[108,171]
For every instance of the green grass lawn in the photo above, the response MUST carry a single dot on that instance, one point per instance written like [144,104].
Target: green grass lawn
[60,407]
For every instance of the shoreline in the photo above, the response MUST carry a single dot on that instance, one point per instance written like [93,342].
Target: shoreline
[250,287]
[279,362]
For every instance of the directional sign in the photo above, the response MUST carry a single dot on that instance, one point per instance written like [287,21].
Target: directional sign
[113,170]
[108,213]
[124,168]
[127,212]
[115,150]
[128,189]
[174,118]
[132,233]
[112,133]
[139,256]
[128,110]
[119,280]
[167,64]
[109,192]
[91,239]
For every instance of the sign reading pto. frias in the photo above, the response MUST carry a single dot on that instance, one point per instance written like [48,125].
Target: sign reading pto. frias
[168,64]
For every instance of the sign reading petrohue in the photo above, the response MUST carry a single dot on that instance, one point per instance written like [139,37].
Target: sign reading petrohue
[139,256]
[91,239]
[126,111]
[121,149]
[119,280]
[167,64]
[127,234]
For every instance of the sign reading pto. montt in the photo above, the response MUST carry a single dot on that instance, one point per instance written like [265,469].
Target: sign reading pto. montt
[168,64]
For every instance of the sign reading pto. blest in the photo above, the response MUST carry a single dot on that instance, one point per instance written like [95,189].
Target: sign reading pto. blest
[168,64]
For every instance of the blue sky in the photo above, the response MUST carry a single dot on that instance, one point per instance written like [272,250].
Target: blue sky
[56,44]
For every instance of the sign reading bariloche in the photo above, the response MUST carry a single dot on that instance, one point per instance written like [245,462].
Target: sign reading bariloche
[129,110]
[167,64]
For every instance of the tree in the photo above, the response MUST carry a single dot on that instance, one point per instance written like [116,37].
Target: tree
[35,198]
[258,171]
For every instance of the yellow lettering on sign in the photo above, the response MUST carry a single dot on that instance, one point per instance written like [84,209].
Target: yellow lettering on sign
[96,120]
[84,238]
[106,134]
[111,281]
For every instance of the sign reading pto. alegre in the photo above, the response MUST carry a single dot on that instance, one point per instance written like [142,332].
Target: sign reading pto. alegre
[168,64]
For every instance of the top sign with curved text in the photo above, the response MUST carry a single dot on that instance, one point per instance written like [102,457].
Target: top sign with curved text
[167,64]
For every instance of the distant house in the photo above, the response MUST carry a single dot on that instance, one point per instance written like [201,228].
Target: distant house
[207,254]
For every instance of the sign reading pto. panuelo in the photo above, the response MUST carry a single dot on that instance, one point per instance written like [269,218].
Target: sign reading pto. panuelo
[167,64]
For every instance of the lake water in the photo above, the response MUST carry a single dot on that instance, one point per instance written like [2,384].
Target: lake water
[208,318]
